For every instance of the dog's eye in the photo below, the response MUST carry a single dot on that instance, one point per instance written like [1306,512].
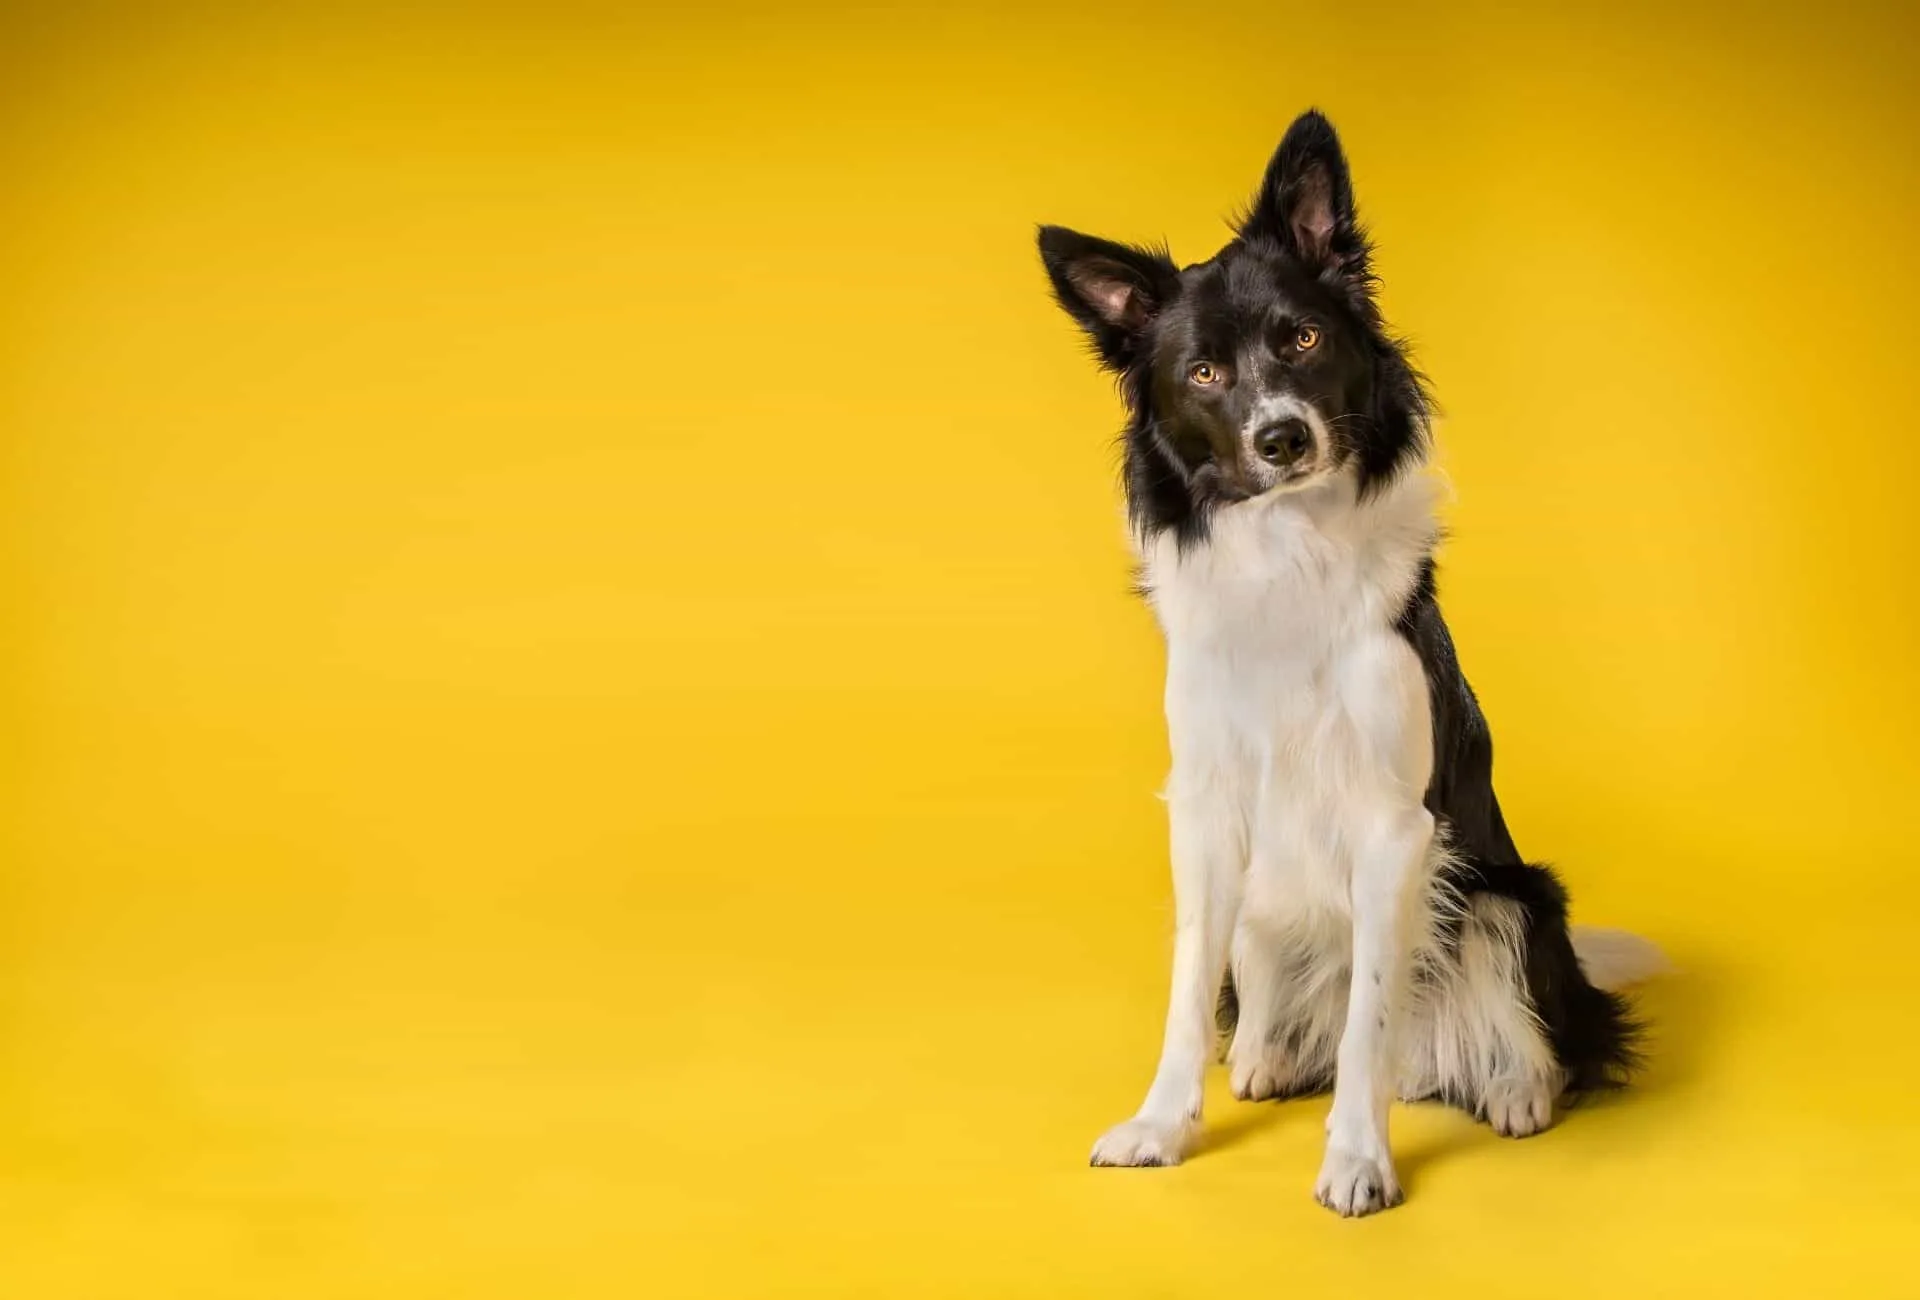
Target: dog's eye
[1307,338]
[1203,372]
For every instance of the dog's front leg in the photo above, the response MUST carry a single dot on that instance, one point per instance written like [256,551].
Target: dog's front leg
[1209,861]
[1389,881]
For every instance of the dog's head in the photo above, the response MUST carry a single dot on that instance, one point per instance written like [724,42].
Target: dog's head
[1264,369]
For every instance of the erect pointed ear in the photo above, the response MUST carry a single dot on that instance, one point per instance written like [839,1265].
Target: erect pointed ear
[1113,290]
[1305,202]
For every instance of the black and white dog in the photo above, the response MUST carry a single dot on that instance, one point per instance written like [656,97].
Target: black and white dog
[1349,902]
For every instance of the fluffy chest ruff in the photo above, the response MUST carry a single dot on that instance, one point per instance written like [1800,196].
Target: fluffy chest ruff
[1292,701]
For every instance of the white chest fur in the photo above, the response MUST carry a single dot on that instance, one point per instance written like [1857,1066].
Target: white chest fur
[1293,706]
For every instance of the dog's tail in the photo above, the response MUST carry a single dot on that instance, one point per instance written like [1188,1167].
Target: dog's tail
[1614,959]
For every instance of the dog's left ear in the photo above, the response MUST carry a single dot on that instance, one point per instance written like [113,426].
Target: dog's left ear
[1305,202]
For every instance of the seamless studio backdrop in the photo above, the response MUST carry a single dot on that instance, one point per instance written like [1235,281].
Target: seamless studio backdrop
[574,723]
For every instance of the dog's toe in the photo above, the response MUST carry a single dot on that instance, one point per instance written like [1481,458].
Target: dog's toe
[1141,1144]
[1518,1107]
[1351,1184]
[1268,1075]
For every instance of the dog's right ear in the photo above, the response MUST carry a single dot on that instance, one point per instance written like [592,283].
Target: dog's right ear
[1113,290]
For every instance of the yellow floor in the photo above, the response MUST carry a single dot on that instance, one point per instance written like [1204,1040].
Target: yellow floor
[573,724]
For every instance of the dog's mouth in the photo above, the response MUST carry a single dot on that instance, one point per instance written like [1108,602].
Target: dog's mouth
[1302,474]
[1225,487]
[1250,481]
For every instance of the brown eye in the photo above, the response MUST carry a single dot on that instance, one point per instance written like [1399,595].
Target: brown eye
[1203,373]
[1307,338]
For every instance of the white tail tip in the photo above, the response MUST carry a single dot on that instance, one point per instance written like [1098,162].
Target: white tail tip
[1613,959]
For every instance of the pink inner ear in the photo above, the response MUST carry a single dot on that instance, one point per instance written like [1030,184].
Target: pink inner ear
[1113,299]
[1112,295]
[1312,216]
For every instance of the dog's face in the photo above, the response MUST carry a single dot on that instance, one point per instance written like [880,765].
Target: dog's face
[1254,367]
[1264,369]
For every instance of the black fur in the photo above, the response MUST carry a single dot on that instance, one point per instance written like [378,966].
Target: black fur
[1593,1035]
[1301,256]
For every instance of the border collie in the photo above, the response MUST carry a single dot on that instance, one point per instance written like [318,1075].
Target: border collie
[1350,906]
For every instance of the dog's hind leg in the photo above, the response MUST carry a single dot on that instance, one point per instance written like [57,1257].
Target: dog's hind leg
[1258,1060]
[1291,985]
[1515,1022]
[1476,1041]
[1504,1064]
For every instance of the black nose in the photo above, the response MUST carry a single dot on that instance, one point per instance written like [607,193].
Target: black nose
[1284,442]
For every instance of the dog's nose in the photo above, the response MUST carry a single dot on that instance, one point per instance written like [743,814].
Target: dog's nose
[1283,442]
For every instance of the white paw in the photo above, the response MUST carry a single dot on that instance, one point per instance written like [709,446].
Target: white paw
[1260,1073]
[1518,1107]
[1139,1143]
[1351,1184]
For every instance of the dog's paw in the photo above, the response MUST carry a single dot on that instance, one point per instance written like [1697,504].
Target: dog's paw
[1351,1184]
[1142,1143]
[1517,1107]
[1260,1073]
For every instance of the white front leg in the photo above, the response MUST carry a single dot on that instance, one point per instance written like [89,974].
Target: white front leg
[1389,882]
[1209,863]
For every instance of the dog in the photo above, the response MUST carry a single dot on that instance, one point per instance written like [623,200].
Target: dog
[1350,906]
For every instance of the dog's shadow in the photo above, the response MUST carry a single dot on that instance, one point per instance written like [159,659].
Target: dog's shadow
[1247,1120]
[1678,1010]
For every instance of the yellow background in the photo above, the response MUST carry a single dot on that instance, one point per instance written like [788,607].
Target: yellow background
[573,723]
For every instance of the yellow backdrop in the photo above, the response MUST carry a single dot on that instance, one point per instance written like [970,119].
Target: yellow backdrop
[573,722]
